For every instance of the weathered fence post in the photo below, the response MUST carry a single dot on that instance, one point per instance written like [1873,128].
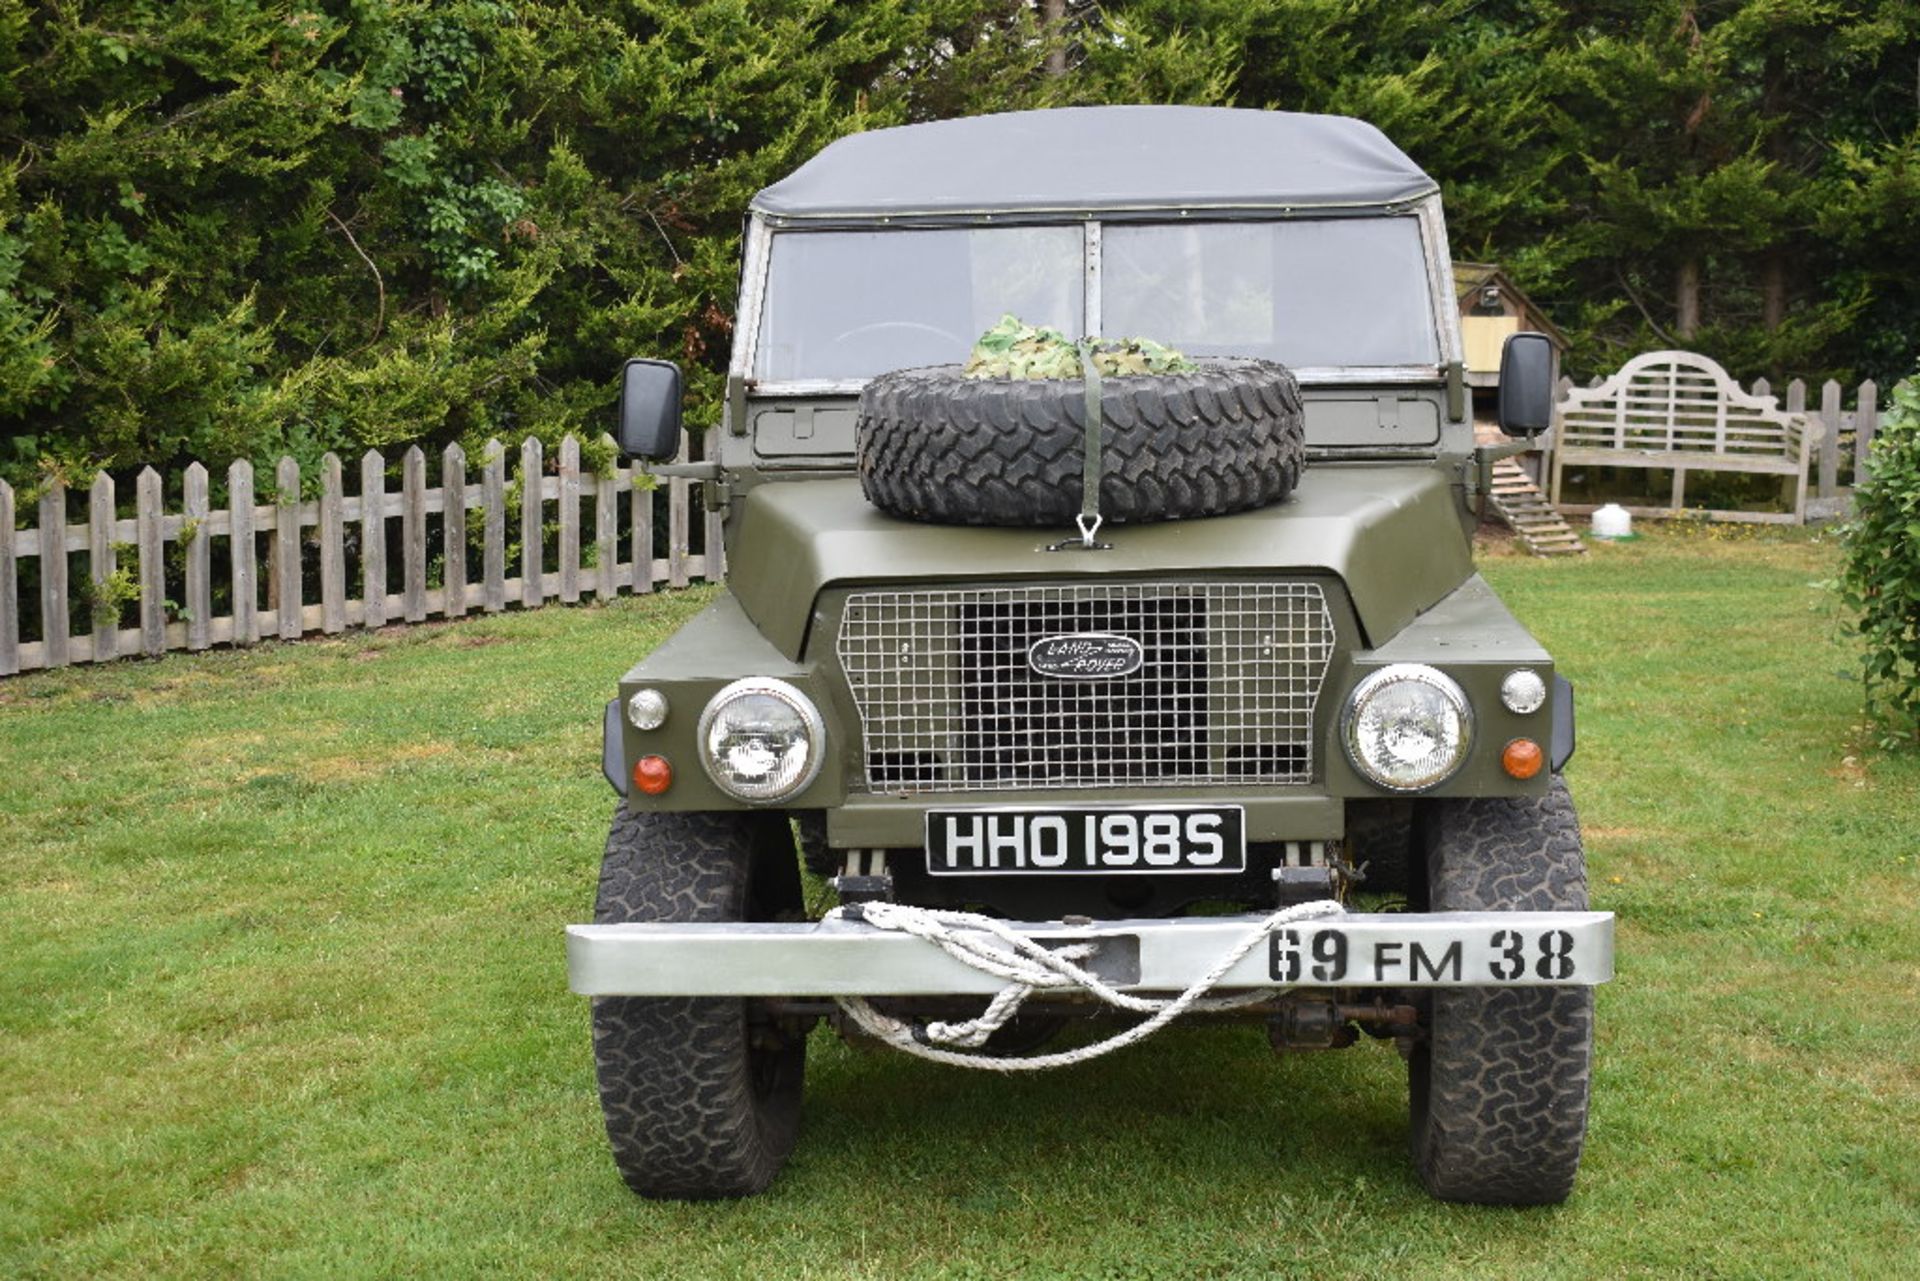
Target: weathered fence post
[197,532]
[677,519]
[1866,424]
[333,547]
[246,600]
[413,534]
[606,514]
[453,531]
[9,587]
[54,625]
[569,493]
[532,528]
[289,590]
[642,529]
[1830,439]
[493,504]
[153,564]
[103,610]
[373,539]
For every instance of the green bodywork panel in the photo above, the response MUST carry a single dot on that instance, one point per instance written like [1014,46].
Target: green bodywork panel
[1390,531]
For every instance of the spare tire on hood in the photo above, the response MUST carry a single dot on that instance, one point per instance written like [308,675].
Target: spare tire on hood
[936,446]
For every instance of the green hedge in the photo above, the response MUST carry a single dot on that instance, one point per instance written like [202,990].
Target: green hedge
[248,227]
[1880,575]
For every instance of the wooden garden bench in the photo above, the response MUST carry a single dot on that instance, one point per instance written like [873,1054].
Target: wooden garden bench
[1680,411]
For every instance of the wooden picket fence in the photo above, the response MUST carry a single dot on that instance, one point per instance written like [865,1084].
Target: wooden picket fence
[326,566]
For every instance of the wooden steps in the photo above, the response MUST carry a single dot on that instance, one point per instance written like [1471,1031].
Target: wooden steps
[1521,504]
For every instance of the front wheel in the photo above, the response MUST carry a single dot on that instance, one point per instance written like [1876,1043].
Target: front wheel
[1498,1090]
[701,1095]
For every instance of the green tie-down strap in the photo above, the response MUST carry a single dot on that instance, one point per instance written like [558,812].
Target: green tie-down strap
[1089,518]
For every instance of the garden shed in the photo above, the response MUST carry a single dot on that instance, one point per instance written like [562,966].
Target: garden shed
[1491,308]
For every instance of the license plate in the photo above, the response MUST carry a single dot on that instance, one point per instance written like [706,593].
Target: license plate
[1086,840]
[1434,950]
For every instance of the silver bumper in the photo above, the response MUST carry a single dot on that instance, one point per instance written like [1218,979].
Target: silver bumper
[848,958]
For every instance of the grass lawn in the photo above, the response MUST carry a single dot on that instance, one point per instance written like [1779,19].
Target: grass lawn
[284,990]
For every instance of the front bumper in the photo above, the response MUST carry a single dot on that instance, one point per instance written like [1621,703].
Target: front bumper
[849,958]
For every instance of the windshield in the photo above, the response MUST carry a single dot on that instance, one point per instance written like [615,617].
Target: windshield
[1335,291]
[852,304]
[1306,292]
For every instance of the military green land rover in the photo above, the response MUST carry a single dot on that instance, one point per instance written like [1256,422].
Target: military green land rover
[1099,700]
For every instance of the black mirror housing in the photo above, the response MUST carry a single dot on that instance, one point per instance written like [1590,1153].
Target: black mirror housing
[650,409]
[1526,384]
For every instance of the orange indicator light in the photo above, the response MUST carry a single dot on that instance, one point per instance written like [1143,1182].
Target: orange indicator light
[652,775]
[1522,758]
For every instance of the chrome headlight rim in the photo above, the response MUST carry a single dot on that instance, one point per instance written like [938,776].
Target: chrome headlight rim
[1395,673]
[816,731]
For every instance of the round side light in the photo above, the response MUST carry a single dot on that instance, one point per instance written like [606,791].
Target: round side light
[1523,692]
[647,709]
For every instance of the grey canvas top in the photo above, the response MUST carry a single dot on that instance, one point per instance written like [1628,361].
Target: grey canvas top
[1100,159]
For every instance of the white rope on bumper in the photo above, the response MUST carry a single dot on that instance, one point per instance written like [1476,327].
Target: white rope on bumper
[991,947]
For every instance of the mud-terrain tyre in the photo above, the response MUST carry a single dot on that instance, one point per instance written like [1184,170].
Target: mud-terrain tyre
[1499,1087]
[701,1096]
[935,446]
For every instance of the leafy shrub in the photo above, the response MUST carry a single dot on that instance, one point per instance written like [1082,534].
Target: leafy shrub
[1880,576]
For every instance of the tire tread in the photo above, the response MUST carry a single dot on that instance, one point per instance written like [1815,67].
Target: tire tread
[1500,1090]
[676,1074]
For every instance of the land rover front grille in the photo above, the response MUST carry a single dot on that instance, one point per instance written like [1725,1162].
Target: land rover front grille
[950,700]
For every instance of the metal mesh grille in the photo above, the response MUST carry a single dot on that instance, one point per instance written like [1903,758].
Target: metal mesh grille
[1225,690]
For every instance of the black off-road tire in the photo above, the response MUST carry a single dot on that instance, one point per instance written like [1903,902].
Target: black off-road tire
[1499,1088]
[935,446]
[701,1096]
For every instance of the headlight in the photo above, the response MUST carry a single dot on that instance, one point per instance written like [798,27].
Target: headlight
[761,739]
[1408,727]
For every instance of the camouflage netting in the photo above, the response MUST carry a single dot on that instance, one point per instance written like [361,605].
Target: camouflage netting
[1012,349]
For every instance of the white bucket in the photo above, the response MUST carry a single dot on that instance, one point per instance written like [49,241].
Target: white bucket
[1612,521]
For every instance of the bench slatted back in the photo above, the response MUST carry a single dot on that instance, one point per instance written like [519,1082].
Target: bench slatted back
[1677,401]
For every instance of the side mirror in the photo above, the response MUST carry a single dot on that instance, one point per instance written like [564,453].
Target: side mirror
[1526,384]
[650,409]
